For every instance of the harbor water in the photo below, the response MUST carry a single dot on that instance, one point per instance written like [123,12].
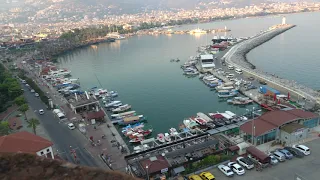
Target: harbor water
[139,68]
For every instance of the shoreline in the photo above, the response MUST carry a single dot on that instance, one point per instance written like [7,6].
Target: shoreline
[237,56]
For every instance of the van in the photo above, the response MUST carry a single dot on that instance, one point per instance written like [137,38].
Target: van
[281,157]
[304,149]
[239,71]
[230,67]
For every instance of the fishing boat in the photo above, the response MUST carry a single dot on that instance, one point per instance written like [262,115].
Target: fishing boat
[122,108]
[136,140]
[135,135]
[204,116]
[131,120]
[112,94]
[173,131]
[199,120]
[191,125]
[218,88]
[167,137]
[112,103]
[194,73]
[125,114]
[140,148]
[133,127]
[226,93]
[160,138]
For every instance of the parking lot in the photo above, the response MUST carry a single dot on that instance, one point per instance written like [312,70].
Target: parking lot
[308,168]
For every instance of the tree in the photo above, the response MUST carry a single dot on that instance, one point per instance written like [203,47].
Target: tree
[4,128]
[24,108]
[33,123]
[20,100]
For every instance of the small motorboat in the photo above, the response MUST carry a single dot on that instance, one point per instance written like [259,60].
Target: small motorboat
[136,140]
[160,138]
[173,131]
[112,94]
[121,108]
[167,137]
[125,114]
[147,132]
[140,148]
[112,104]
[199,120]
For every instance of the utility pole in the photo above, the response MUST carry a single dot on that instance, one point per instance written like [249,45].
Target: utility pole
[253,127]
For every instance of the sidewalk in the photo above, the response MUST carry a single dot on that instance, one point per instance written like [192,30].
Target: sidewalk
[107,148]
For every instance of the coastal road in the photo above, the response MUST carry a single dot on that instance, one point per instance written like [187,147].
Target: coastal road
[59,133]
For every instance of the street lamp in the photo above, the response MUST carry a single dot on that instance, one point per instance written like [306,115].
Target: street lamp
[147,167]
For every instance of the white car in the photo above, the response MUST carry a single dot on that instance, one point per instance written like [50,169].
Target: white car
[41,111]
[225,170]
[36,95]
[273,160]
[71,126]
[236,168]
[32,91]
[245,162]
[302,148]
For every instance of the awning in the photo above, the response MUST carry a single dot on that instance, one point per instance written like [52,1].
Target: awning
[178,170]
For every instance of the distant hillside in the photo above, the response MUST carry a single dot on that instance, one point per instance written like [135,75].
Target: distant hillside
[31,167]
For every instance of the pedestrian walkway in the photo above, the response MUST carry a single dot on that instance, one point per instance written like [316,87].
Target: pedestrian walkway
[108,145]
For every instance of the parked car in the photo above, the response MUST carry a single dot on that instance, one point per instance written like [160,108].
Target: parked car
[263,82]
[206,176]
[41,111]
[295,152]
[36,95]
[280,156]
[251,78]
[236,168]
[302,148]
[245,162]
[225,170]
[32,90]
[195,177]
[286,153]
[71,126]
[27,85]
[273,160]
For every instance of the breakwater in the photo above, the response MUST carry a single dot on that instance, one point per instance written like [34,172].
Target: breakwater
[236,56]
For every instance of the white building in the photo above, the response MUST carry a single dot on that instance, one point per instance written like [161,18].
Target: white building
[207,61]
[25,142]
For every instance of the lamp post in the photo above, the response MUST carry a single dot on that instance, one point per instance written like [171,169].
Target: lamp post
[253,127]
[147,167]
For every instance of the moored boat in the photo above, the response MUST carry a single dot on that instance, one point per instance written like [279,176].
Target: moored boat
[160,138]
[167,137]
[125,114]
[173,131]
[131,120]
[136,140]
[112,103]
[122,108]
[198,120]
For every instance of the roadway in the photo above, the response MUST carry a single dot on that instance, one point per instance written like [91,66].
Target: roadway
[60,134]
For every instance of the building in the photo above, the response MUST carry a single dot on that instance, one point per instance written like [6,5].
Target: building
[285,126]
[25,142]
[207,61]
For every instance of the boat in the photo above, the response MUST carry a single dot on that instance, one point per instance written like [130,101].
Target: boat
[131,120]
[204,116]
[132,127]
[122,108]
[199,120]
[221,87]
[173,131]
[136,140]
[112,103]
[198,31]
[191,125]
[227,94]
[135,135]
[140,148]
[189,69]
[167,137]
[194,73]
[160,138]
[125,114]
[112,94]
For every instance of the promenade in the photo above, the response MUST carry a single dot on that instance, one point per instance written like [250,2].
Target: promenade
[236,56]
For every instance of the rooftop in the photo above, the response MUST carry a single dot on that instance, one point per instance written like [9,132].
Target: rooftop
[154,164]
[23,142]
[292,127]
[274,119]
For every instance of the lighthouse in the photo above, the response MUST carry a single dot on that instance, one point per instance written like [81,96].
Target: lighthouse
[283,20]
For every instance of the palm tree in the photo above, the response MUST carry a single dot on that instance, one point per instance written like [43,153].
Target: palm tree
[33,123]
[24,108]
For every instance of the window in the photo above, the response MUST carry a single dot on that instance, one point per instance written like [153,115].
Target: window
[41,153]
[48,150]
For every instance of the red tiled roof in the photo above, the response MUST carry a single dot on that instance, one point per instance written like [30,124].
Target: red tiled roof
[303,114]
[23,142]
[96,115]
[274,119]
[261,127]
[279,117]
[155,166]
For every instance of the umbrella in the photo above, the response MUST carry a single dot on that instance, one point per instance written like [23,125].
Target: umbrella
[288,95]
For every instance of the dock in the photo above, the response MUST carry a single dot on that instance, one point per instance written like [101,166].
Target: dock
[236,57]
